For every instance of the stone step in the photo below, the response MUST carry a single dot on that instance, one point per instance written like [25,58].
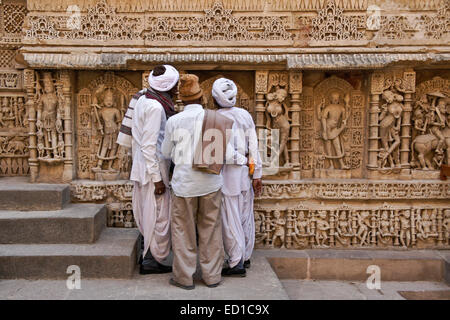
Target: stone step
[18,194]
[329,264]
[112,256]
[76,223]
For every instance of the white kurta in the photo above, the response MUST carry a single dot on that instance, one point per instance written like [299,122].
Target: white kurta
[237,201]
[151,213]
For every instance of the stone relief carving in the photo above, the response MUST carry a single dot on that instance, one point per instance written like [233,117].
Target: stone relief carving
[332,25]
[332,129]
[12,16]
[350,226]
[430,146]
[100,109]
[13,135]
[330,21]
[437,25]
[277,113]
[117,195]
[390,123]
[50,111]
[49,121]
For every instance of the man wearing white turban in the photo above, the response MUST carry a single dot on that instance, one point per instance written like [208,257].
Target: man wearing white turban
[145,122]
[239,182]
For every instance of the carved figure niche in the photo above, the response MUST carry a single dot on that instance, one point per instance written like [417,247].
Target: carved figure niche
[100,109]
[430,145]
[50,133]
[332,127]
[390,124]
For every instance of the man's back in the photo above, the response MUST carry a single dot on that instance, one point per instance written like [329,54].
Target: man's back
[183,132]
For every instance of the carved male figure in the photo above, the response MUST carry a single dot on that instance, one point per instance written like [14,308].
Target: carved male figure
[322,228]
[333,118]
[278,225]
[48,118]
[109,118]
[405,228]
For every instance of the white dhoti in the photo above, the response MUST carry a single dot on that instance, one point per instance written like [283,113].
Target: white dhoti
[238,226]
[152,215]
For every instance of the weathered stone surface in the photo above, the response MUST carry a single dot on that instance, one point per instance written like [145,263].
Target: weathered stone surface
[16,195]
[112,256]
[417,265]
[76,223]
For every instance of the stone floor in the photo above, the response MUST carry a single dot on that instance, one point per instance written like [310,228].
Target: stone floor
[261,283]
[352,290]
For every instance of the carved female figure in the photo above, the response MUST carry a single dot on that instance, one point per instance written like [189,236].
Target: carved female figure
[363,227]
[278,118]
[390,122]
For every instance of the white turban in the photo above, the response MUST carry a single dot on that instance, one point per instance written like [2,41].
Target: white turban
[166,81]
[224,91]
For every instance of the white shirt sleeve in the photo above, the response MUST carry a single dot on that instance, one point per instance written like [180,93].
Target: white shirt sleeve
[167,144]
[253,151]
[152,120]
[233,156]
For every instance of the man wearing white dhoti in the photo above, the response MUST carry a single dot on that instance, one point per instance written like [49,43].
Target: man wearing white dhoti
[150,170]
[239,185]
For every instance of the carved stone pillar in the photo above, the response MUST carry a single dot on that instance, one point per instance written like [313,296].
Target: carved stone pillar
[295,89]
[261,79]
[67,119]
[409,83]
[376,88]
[29,83]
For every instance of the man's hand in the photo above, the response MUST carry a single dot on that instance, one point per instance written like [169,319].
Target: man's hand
[257,186]
[160,187]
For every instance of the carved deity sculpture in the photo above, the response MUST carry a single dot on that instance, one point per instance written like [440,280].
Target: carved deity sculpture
[333,118]
[301,229]
[432,129]
[424,223]
[49,119]
[322,226]
[405,228]
[364,226]
[390,124]
[278,227]
[108,119]
[278,118]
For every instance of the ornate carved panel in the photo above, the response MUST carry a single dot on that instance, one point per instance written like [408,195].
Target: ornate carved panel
[101,106]
[14,140]
[308,225]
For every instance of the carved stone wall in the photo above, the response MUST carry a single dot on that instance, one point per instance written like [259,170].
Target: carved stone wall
[356,93]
